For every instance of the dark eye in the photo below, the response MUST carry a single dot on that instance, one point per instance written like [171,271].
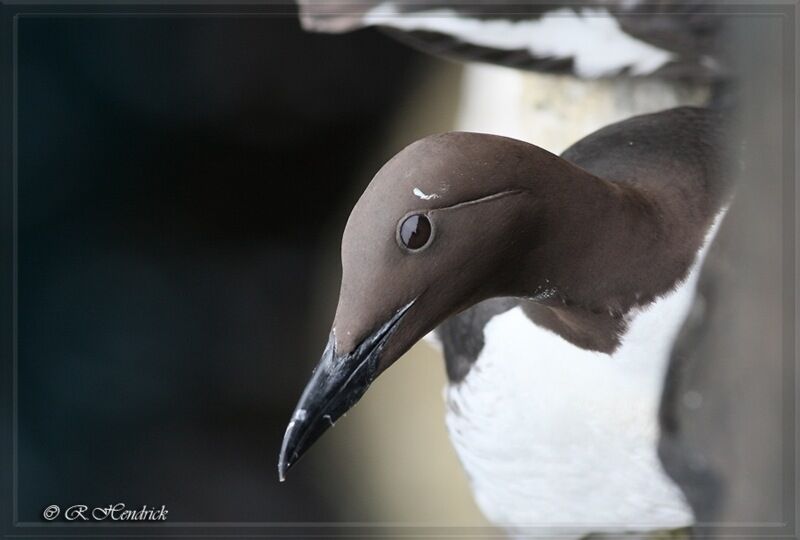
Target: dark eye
[415,231]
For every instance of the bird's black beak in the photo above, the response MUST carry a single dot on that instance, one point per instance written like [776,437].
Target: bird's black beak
[338,382]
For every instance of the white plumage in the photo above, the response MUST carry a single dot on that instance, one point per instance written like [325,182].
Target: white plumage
[564,440]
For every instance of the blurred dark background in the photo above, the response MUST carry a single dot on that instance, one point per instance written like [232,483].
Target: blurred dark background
[177,175]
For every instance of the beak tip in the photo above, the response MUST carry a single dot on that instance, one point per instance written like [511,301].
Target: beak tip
[283,459]
[282,468]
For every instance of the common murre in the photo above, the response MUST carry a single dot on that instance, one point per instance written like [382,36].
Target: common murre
[553,407]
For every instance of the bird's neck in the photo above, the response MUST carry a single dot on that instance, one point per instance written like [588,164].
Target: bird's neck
[597,251]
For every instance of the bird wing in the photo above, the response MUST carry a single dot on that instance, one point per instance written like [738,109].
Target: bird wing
[675,38]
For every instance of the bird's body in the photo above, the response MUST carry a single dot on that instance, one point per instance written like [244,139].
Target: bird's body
[558,436]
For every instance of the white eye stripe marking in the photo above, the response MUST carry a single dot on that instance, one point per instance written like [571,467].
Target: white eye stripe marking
[487,198]
[419,193]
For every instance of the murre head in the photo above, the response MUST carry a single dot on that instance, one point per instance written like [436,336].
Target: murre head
[435,232]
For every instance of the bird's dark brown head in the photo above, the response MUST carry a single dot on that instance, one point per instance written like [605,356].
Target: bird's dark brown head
[436,231]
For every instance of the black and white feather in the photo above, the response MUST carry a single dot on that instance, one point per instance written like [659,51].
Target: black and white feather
[603,38]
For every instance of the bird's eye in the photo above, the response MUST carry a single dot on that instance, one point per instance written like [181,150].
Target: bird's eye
[415,232]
